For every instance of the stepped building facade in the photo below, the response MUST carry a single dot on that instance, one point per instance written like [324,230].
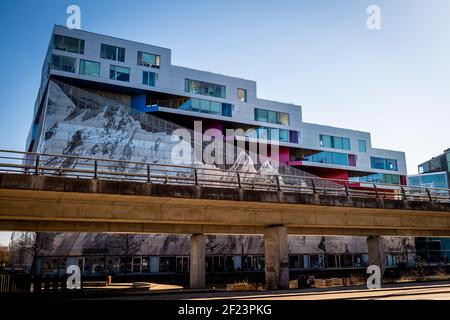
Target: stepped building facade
[112,98]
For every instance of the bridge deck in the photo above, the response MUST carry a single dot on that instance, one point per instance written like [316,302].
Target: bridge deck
[46,203]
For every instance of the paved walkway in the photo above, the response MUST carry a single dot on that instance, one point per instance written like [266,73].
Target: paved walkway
[432,290]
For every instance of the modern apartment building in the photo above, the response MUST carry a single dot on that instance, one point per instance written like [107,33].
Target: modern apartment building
[434,173]
[144,77]
[106,97]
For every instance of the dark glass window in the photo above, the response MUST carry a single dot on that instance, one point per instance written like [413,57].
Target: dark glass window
[293,136]
[149,78]
[362,146]
[119,73]
[327,141]
[112,53]
[271,116]
[261,115]
[90,68]
[329,157]
[149,59]
[167,264]
[383,164]
[205,88]
[207,106]
[63,63]
[68,44]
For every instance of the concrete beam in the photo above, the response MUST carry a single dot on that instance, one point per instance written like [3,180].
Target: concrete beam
[197,270]
[276,258]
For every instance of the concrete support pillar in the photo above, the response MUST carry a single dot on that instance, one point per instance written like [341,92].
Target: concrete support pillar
[197,261]
[276,257]
[375,249]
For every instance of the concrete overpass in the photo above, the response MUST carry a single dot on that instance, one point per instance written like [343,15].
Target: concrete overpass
[44,203]
[37,200]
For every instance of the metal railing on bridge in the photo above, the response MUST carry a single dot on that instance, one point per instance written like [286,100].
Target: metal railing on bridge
[81,167]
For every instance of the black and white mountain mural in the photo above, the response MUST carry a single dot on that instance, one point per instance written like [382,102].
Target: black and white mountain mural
[81,123]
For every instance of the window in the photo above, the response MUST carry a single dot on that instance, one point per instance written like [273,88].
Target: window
[332,158]
[293,136]
[334,142]
[283,118]
[271,116]
[68,44]
[383,164]
[261,115]
[149,78]
[167,264]
[352,160]
[205,88]
[148,59]
[119,73]
[207,106]
[274,134]
[378,178]
[90,68]
[362,145]
[145,264]
[433,180]
[63,63]
[242,95]
[137,264]
[112,53]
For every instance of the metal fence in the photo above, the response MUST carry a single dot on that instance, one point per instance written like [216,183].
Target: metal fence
[206,176]
[14,283]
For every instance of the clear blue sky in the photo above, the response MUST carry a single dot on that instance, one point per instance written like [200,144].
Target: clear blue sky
[394,83]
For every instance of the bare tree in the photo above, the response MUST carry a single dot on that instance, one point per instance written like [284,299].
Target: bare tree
[322,246]
[34,244]
[4,255]
[127,245]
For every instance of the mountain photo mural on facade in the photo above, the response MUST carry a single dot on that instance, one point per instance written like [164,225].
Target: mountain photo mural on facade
[81,123]
[105,130]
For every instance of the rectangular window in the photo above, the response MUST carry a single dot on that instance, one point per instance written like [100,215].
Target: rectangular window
[227,109]
[377,178]
[119,73]
[68,44]
[89,68]
[205,88]
[293,136]
[205,106]
[242,95]
[112,53]
[283,118]
[149,78]
[329,157]
[327,141]
[383,164]
[271,116]
[261,115]
[362,146]
[216,107]
[352,160]
[149,60]
[63,63]
[284,135]
[263,133]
